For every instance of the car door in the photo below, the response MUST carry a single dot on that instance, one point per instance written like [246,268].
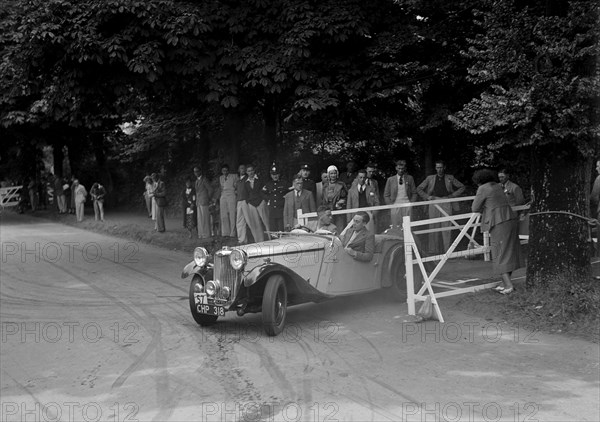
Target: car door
[341,274]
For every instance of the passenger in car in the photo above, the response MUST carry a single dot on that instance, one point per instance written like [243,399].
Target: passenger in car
[357,241]
[324,221]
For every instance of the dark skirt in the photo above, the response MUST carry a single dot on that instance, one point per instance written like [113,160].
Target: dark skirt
[506,247]
[190,221]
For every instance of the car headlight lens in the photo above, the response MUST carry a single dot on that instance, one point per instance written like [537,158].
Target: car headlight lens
[198,288]
[225,292]
[200,256]
[212,287]
[238,259]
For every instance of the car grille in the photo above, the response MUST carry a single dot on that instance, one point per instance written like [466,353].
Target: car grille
[225,274]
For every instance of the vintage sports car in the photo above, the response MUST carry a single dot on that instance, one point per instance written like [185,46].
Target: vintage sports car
[294,268]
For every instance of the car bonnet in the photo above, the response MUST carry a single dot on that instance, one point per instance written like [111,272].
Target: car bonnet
[286,245]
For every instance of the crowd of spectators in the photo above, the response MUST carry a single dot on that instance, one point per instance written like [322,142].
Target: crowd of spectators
[245,205]
[66,195]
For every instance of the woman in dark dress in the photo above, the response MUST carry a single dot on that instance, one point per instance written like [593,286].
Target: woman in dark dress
[160,196]
[67,192]
[188,205]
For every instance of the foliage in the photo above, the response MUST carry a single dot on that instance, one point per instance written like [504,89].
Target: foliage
[536,65]
[540,71]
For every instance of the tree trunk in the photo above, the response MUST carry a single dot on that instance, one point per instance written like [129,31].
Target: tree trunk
[270,129]
[105,176]
[58,157]
[75,155]
[234,127]
[559,244]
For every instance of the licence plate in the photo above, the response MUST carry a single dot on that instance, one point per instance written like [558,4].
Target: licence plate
[210,310]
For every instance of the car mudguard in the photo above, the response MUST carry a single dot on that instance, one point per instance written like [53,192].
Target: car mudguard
[192,268]
[299,289]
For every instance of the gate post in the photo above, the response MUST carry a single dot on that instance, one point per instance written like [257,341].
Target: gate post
[408,257]
[487,256]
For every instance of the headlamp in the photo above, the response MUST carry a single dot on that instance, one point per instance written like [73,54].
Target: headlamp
[200,256]
[238,259]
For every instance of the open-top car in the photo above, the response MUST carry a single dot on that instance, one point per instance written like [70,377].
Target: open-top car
[294,268]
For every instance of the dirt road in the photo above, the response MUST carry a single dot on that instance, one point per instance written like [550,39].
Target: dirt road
[98,328]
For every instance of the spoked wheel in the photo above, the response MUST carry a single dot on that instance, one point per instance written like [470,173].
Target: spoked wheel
[202,319]
[274,305]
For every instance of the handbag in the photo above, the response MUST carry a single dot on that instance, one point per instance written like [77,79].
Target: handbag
[161,201]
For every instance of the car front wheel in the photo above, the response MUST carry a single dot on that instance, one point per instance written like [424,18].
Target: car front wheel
[201,319]
[274,305]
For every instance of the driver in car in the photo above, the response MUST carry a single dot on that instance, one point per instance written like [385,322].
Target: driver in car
[357,240]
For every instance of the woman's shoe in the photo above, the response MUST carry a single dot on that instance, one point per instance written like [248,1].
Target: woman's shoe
[498,288]
[507,291]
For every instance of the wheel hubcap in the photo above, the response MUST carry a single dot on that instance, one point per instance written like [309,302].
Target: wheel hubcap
[279,308]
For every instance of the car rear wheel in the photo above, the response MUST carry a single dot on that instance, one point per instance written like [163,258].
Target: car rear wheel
[274,305]
[201,319]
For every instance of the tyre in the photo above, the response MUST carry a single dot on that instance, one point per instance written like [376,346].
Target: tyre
[201,319]
[395,272]
[274,305]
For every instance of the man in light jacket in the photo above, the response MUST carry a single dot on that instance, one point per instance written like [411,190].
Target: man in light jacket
[400,189]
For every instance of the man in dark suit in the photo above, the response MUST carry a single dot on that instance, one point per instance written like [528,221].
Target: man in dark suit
[440,186]
[361,195]
[204,193]
[400,189]
[357,241]
[297,199]
[275,191]
[309,184]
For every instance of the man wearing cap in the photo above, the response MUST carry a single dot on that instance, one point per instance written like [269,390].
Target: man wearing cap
[298,199]
[204,192]
[227,201]
[274,191]
[308,184]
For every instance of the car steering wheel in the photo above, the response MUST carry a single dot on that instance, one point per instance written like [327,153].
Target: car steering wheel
[303,228]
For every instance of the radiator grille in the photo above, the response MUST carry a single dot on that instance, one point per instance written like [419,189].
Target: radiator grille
[225,274]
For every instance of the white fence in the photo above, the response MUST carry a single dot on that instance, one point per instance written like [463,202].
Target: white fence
[413,256]
[9,196]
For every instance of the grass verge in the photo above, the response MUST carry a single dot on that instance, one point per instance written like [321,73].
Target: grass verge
[553,309]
